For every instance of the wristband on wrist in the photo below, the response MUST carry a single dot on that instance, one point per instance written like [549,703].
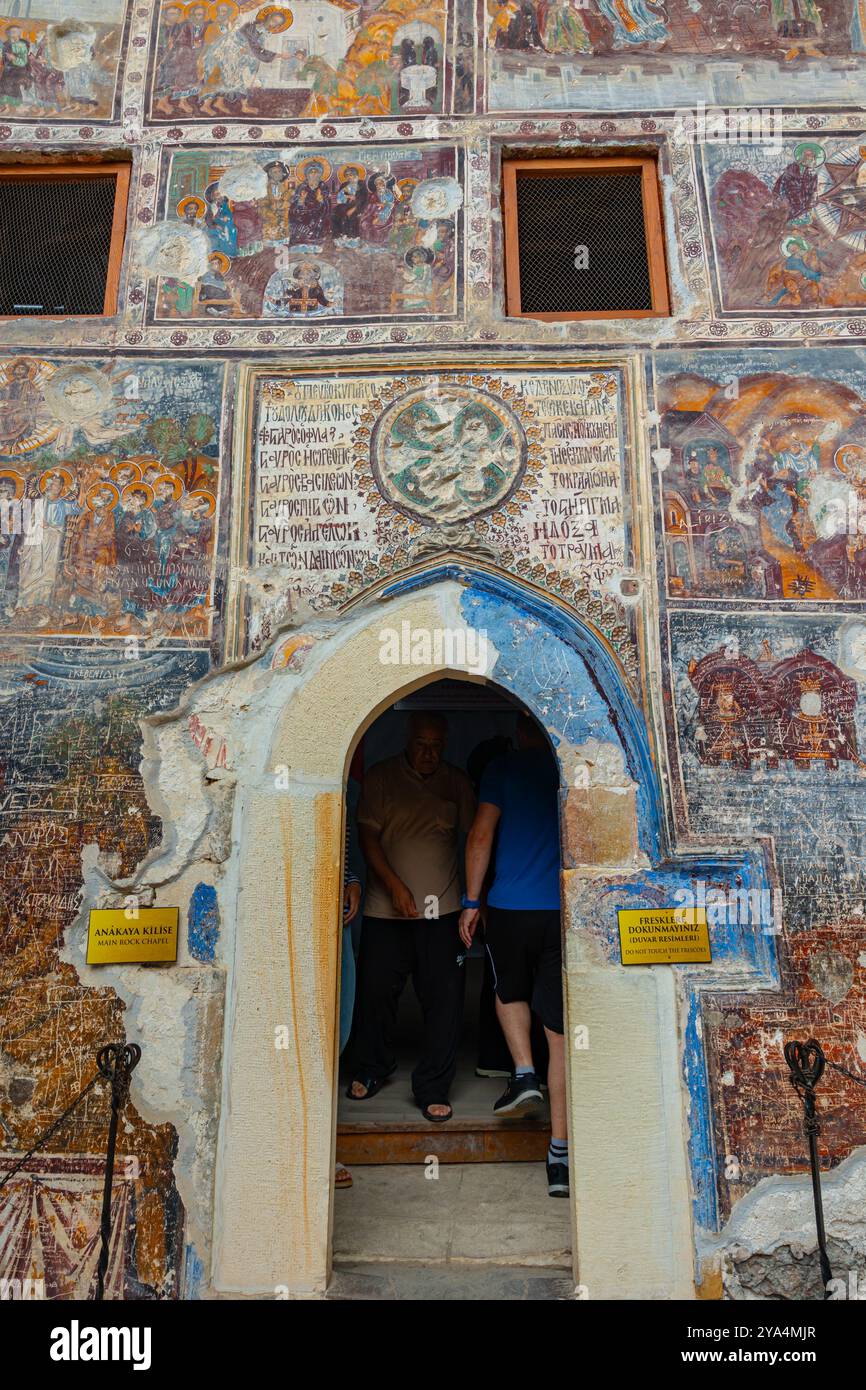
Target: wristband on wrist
[469,902]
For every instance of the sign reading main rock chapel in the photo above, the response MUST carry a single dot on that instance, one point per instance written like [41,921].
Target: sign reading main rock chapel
[118,936]
[664,936]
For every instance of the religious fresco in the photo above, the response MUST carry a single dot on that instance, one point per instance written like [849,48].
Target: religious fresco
[788,223]
[60,60]
[770,734]
[352,477]
[321,58]
[71,741]
[293,235]
[537,48]
[767,704]
[764,492]
[109,484]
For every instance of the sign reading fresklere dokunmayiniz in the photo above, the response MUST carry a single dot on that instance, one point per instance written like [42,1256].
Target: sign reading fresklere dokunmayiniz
[664,936]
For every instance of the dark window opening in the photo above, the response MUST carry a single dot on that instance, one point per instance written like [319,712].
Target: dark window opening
[61,240]
[583,238]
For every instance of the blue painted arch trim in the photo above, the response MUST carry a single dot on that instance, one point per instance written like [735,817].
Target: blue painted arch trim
[485,588]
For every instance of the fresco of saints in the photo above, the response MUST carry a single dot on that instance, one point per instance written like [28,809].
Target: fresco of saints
[311,205]
[135,530]
[379,209]
[562,29]
[16,75]
[91,551]
[20,399]
[634,21]
[42,563]
[231,64]
[348,204]
[11,491]
[796,19]
[798,182]
[275,207]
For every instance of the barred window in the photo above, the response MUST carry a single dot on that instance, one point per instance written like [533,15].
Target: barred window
[583,238]
[61,239]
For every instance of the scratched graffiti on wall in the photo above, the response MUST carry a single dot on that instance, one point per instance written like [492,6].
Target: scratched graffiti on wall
[71,748]
[764,496]
[109,480]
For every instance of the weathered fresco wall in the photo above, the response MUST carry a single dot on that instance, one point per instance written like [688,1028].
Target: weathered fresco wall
[227,471]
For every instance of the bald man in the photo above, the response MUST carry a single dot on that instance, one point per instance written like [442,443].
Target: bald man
[412,810]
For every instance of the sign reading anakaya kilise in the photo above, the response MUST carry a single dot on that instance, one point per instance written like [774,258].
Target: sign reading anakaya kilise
[120,935]
[664,936]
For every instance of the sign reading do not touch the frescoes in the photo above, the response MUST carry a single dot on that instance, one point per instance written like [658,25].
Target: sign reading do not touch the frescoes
[664,936]
[118,936]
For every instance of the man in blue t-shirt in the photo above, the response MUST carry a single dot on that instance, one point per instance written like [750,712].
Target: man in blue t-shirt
[520,795]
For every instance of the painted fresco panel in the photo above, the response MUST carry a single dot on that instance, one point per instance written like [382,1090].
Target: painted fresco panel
[788,220]
[295,235]
[71,740]
[355,476]
[109,480]
[563,54]
[771,721]
[60,60]
[764,494]
[322,58]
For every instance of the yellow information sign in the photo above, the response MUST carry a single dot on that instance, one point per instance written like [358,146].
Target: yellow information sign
[118,935]
[664,936]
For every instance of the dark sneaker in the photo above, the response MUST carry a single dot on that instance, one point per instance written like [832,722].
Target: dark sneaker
[521,1090]
[557,1179]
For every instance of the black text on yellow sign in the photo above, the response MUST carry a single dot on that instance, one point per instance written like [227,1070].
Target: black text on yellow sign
[664,936]
[120,935]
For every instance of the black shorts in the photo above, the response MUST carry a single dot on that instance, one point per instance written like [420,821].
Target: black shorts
[525,950]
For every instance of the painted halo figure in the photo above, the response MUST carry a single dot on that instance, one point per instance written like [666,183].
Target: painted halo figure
[311,204]
[42,563]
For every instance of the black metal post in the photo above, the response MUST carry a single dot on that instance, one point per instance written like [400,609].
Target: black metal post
[806,1063]
[116,1063]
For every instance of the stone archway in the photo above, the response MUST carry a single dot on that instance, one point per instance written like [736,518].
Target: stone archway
[274,1166]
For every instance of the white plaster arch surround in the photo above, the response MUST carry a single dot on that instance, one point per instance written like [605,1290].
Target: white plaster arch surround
[289,735]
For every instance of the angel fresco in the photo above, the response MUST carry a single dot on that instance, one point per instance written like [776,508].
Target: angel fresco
[234,57]
[293,235]
[114,509]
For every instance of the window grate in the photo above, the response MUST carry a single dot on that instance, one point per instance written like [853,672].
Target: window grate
[55,244]
[584,239]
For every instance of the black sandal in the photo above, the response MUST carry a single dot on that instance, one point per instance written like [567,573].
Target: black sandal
[437,1119]
[372,1084]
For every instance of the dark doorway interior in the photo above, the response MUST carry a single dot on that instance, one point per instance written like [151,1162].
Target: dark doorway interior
[388,1128]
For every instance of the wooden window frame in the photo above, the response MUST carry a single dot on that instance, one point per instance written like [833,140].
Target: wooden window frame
[589,165]
[64,172]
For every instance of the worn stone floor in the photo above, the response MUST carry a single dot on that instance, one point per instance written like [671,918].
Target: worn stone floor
[477,1231]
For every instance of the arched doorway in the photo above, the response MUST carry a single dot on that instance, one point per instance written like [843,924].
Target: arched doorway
[461,1208]
[628,1111]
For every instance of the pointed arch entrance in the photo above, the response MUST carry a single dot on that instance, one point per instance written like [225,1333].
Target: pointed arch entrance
[626,1098]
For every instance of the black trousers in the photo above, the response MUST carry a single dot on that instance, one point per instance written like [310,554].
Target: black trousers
[432,953]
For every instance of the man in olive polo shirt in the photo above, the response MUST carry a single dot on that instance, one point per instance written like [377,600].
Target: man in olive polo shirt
[412,810]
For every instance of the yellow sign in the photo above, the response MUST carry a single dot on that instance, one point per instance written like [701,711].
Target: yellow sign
[121,934]
[664,936]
